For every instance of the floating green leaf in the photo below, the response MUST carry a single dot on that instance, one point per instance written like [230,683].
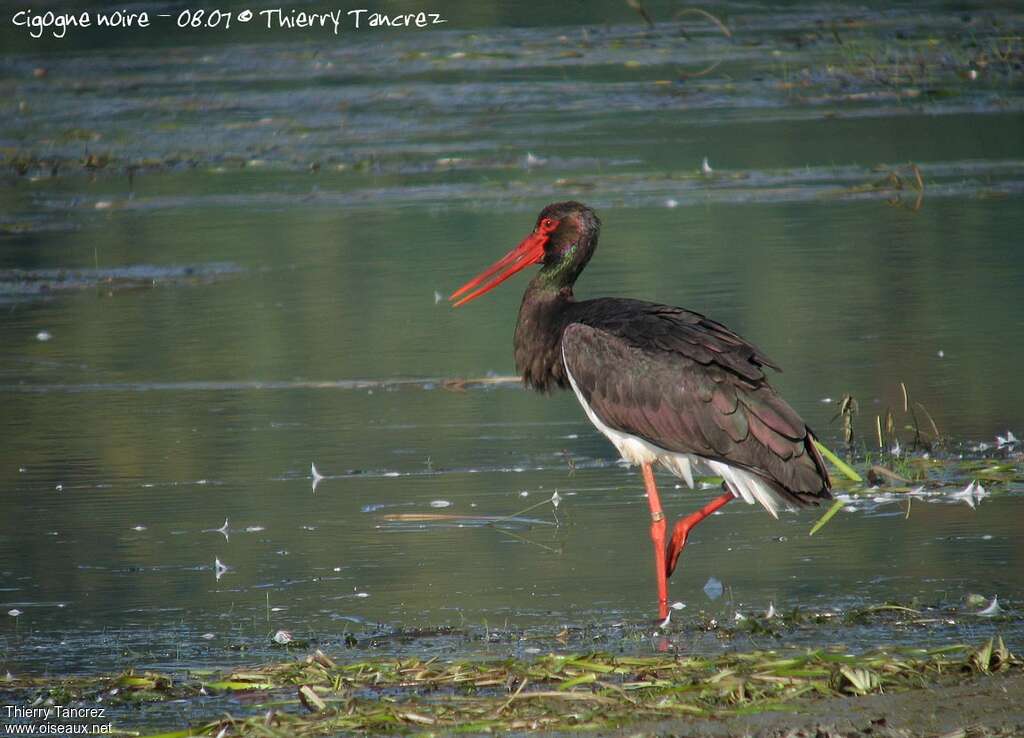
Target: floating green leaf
[829,514]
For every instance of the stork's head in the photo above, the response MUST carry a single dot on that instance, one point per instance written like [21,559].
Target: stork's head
[563,240]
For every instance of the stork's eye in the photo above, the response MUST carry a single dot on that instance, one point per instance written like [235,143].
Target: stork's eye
[547,225]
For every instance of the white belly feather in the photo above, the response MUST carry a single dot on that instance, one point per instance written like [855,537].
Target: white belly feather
[742,483]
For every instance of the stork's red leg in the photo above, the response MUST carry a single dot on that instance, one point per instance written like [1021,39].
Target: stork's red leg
[658,526]
[683,527]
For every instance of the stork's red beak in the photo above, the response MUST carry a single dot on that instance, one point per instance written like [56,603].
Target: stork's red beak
[529,251]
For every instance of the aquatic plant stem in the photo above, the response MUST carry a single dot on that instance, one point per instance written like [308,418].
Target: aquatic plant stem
[838,463]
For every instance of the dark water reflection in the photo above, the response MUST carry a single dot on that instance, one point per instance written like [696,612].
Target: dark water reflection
[172,397]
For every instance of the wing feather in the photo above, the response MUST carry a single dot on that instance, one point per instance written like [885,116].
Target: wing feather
[689,385]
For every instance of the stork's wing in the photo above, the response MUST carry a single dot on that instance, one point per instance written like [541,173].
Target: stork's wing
[690,385]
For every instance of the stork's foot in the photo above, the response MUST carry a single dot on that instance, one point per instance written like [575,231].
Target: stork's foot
[683,528]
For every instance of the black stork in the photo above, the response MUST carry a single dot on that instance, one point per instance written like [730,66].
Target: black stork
[664,384]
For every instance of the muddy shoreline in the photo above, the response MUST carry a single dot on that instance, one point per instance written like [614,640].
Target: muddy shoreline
[983,706]
[787,692]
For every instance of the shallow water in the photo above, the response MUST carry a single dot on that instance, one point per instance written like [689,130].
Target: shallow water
[261,294]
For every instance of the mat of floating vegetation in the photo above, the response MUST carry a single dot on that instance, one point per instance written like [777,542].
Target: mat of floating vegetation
[22,283]
[316,696]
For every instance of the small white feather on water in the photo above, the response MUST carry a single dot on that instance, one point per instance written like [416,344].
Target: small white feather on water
[705,167]
[317,476]
[992,609]
[972,494]
[224,530]
[219,568]
[1007,441]
[668,618]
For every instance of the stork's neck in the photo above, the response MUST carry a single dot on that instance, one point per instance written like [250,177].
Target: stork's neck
[538,340]
[548,302]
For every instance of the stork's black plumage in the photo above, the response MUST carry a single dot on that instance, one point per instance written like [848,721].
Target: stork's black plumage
[664,384]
